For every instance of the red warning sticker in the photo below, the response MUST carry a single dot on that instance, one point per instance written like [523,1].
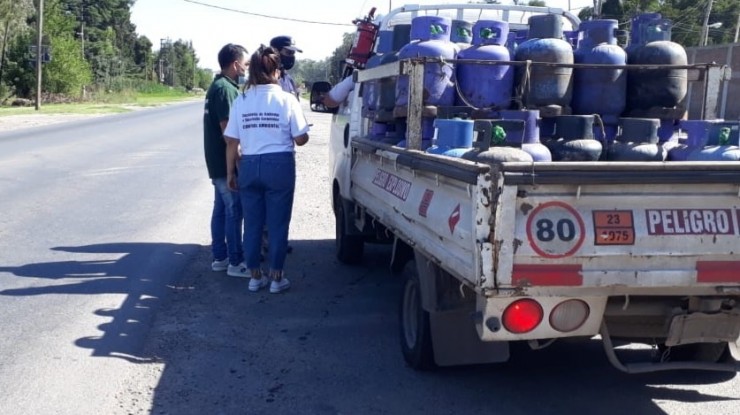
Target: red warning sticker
[613,227]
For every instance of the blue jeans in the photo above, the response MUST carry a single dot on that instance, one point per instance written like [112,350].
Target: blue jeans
[226,224]
[266,187]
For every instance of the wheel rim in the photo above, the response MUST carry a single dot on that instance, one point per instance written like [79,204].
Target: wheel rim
[411,315]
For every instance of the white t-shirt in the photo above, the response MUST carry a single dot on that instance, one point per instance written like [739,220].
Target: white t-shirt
[264,119]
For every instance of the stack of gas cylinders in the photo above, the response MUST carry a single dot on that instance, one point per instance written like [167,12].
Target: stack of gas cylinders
[479,106]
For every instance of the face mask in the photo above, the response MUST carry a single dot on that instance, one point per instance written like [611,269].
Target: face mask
[287,61]
[242,80]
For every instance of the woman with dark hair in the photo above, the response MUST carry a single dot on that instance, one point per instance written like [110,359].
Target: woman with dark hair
[266,123]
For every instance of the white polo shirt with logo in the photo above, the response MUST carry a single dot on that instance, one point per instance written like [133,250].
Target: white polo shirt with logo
[265,119]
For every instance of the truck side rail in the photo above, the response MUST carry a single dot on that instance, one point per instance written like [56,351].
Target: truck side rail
[601,172]
[508,13]
[458,169]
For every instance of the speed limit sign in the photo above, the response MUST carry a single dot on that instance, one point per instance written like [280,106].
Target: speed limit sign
[555,230]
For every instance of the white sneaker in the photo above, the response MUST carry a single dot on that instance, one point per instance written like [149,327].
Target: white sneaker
[279,286]
[240,271]
[220,265]
[258,284]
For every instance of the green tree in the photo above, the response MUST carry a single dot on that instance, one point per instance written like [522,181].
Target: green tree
[13,23]
[203,78]
[725,12]
[184,64]
[68,71]
[144,58]
[687,17]
[176,63]
[19,69]
[109,35]
[336,60]
[311,71]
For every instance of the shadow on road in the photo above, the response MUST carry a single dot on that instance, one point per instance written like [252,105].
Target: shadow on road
[330,346]
[141,271]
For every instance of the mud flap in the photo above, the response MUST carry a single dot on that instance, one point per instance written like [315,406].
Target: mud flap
[456,341]
[735,349]
[701,327]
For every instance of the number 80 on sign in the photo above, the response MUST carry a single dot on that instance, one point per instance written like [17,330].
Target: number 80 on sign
[555,230]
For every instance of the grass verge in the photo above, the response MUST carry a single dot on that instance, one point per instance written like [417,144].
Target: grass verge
[106,103]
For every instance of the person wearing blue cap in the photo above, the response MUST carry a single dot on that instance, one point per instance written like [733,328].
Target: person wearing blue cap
[287,48]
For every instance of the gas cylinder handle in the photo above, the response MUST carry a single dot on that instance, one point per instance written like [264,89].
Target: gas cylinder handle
[621,33]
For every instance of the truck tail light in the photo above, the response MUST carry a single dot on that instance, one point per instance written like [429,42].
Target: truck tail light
[569,315]
[522,316]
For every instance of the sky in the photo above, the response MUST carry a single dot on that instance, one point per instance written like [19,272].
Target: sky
[209,28]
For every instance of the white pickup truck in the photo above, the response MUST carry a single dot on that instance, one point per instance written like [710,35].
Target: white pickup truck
[642,252]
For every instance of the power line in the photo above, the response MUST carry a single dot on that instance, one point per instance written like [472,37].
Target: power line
[265,15]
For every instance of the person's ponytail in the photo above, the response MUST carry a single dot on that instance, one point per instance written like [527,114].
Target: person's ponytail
[263,64]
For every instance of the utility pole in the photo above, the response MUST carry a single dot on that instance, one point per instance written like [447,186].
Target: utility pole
[82,38]
[705,25]
[39,52]
[737,27]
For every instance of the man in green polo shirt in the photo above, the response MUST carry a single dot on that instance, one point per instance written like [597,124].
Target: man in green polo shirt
[227,218]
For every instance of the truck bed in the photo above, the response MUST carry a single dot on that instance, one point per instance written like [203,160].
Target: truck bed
[548,227]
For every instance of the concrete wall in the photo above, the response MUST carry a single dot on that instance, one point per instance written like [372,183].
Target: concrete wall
[729,100]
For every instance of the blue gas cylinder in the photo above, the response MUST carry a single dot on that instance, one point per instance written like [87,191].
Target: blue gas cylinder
[511,44]
[521,36]
[498,141]
[546,88]
[723,132]
[430,37]
[531,136]
[571,36]
[573,139]
[716,153]
[638,34]
[600,91]
[387,98]
[722,143]
[656,93]
[461,34]
[638,141]
[697,135]
[453,137]
[371,89]
[482,85]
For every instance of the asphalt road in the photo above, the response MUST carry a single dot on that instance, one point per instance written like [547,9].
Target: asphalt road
[109,306]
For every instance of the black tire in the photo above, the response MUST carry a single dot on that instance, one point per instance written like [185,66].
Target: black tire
[349,247]
[696,352]
[416,337]
[403,254]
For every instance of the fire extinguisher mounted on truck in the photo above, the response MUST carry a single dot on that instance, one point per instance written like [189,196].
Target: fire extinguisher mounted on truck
[363,42]
[363,45]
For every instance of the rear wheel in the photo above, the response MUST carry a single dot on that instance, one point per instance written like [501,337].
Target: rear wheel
[349,247]
[416,339]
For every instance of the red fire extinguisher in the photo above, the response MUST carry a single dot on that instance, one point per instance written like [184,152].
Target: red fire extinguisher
[363,42]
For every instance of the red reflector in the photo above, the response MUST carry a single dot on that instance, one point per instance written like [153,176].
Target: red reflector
[718,271]
[522,316]
[546,275]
